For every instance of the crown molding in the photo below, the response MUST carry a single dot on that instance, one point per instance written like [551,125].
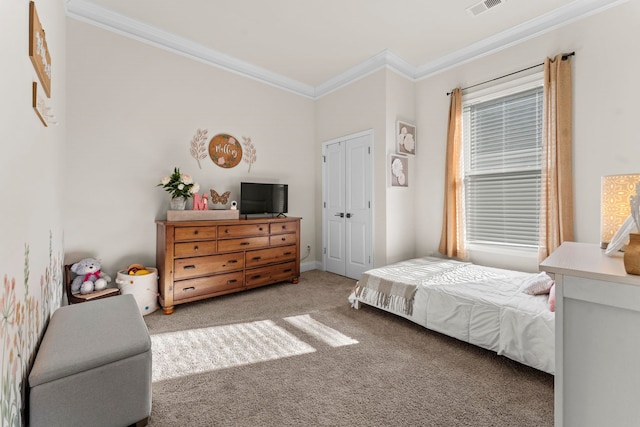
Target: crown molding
[384,59]
[555,19]
[93,14]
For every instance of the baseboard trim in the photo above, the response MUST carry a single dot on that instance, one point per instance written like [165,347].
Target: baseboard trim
[310,265]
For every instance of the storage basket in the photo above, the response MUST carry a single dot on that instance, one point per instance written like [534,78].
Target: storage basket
[144,289]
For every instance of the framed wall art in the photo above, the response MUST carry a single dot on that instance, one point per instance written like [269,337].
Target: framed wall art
[225,151]
[406,138]
[399,170]
[38,50]
[38,104]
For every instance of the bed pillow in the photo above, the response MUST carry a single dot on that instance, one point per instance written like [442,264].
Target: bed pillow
[552,298]
[537,285]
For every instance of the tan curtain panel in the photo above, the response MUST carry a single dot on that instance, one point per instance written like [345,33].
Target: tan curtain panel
[452,238]
[556,219]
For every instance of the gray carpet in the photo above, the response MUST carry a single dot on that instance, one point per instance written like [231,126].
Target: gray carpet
[384,371]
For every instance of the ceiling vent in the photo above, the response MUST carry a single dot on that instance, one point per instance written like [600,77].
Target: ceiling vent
[483,6]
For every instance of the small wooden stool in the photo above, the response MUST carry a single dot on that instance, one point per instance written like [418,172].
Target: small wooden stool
[76,298]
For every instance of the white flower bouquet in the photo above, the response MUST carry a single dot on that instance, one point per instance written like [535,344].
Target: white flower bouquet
[179,184]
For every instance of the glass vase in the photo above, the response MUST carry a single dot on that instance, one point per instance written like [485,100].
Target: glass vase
[177,203]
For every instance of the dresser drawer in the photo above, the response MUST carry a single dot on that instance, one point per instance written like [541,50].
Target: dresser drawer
[283,227]
[271,274]
[197,259]
[183,250]
[242,244]
[201,266]
[183,234]
[207,285]
[269,256]
[282,239]
[242,230]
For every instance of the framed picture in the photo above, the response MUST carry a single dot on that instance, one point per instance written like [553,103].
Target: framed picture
[406,138]
[38,50]
[399,170]
[38,104]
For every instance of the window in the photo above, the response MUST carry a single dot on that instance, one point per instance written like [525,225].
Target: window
[502,145]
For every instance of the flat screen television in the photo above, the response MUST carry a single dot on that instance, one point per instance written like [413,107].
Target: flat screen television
[256,198]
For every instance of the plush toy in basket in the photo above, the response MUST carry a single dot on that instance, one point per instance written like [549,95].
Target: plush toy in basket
[137,270]
[88,278]
[142,282]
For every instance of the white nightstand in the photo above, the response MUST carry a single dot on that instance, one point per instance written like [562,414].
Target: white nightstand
[597,381]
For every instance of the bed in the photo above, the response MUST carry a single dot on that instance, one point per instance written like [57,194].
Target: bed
[481,305]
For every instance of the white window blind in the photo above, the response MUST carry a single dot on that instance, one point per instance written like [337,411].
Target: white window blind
[503,146]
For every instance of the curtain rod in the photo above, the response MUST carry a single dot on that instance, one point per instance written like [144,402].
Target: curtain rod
[565,56]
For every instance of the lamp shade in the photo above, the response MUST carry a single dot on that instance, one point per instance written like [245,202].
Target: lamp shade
[616,191]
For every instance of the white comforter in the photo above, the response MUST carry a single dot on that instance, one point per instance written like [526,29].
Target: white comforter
[480,305]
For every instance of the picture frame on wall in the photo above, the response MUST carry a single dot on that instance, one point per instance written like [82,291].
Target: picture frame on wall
[399,170]
[406,138]
[41,107]
[38,50]
[38,104]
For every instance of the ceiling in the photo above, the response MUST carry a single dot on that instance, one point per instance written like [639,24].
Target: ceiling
[312,47]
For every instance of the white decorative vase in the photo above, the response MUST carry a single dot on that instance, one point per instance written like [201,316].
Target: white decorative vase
[177,203]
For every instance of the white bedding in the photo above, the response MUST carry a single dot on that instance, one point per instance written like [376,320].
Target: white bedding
[480,305]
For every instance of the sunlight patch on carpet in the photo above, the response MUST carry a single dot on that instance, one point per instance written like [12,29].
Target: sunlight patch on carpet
[194,351]
[320,331]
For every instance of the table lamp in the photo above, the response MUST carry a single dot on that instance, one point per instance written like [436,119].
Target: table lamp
[616,191]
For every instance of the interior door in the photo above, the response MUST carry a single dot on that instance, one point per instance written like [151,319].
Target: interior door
[347,190]
[358,206]
[334,208]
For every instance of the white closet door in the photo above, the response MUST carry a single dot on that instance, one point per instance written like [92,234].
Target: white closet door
[347,185]
[334,226]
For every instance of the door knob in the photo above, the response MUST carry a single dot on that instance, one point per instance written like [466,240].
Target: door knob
[349,215]
[341,214]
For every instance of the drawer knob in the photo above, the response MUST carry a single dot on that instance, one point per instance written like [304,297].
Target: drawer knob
[260,229]
[232,281]
[227,231]
[232,261]
[256,276]
[288,270]
[195,248]
[244,243]
[189,267]
[189,289]
[284,238]
[196,232]
[284,227]
[288,253]
[256,258]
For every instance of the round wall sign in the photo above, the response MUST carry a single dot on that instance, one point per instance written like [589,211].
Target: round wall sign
[225,150]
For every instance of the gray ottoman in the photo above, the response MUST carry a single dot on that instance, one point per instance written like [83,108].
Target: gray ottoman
[93,367]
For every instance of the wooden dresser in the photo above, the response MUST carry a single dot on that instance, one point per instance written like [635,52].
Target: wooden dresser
[203,259]
[597,381]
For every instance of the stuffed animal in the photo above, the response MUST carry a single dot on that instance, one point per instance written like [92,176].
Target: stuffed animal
[89,277]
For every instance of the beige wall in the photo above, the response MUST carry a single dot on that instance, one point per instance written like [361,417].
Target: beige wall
[138,107]
[351,109]
[31,158]
[374,102]
[605,116]
[400,201]
[133,110]
[605,138]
